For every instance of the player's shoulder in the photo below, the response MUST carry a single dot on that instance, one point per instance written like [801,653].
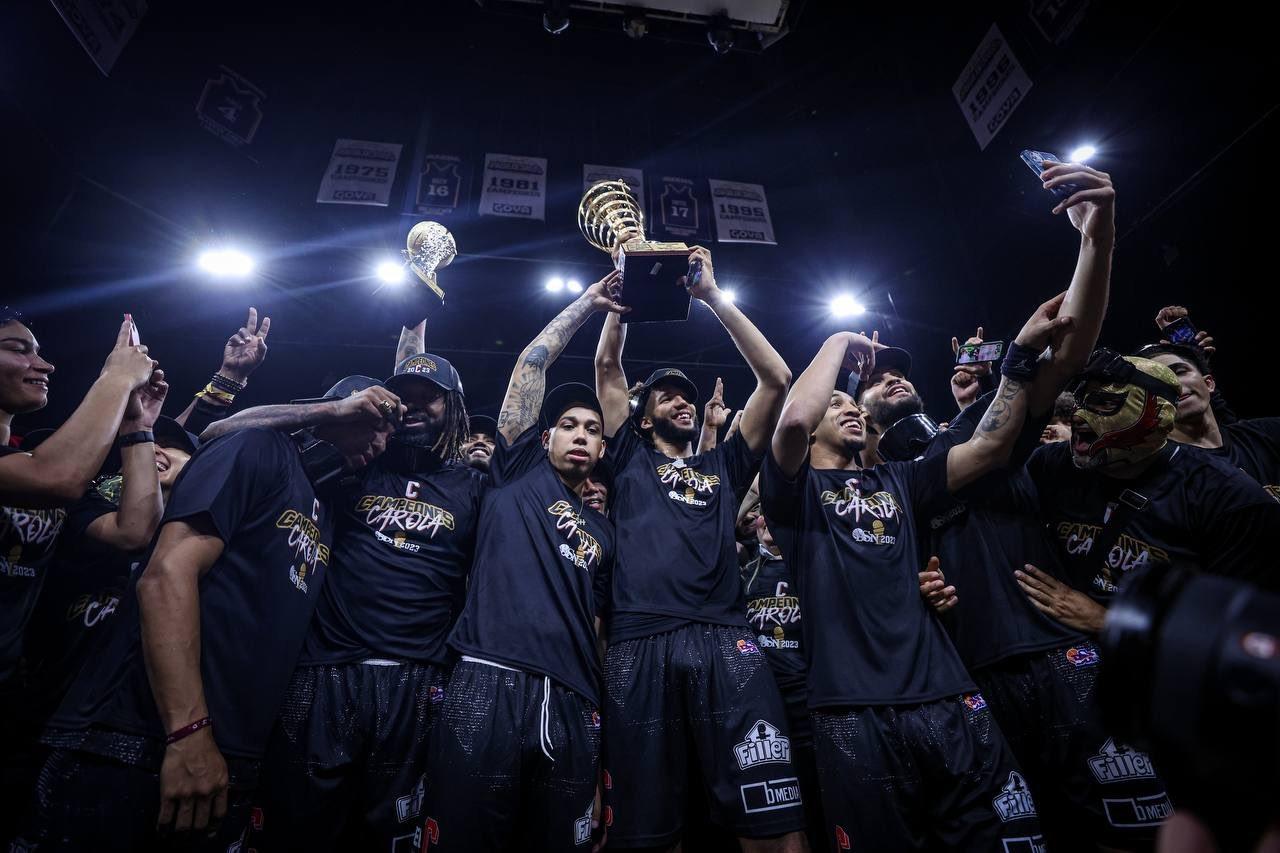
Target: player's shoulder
[1264,428]
[259,443]
[1208,474]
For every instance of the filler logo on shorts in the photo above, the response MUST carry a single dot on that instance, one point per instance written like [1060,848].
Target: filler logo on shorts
[763,745]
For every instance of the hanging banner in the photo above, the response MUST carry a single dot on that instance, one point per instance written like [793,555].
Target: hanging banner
[102,27]
[742,213]
[230,107]
[633,177]
[360,172]
[679,209]
[438,187]
[514,186]
[990,87]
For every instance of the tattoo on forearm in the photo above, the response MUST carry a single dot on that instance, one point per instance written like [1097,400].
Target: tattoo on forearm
[529,383]
[1001,410]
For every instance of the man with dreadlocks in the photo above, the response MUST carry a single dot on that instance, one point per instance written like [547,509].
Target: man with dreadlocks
[350,744]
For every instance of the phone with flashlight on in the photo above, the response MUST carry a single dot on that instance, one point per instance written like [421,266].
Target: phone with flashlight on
[1038,161]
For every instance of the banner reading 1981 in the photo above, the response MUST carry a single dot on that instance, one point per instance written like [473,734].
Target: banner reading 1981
[742,213]
[514,186]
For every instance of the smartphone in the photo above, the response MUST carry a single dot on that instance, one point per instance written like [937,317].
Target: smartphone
[1180,331]
[987,351]
[1038,161]
[134,340]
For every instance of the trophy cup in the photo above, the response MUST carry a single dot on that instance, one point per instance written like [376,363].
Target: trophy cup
[610,218]
[429,247]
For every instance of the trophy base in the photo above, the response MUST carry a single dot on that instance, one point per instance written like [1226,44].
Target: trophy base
[651,275]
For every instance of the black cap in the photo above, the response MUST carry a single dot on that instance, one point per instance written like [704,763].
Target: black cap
[1192,355]
[170,433]
[483,424]
[665,374]
[343,388]
[425,366]
[564,397]
[893,358]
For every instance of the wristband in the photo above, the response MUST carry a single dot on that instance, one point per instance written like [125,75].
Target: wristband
[1020,363]
[222,383]
[145,436]
[187,730]
[224,397]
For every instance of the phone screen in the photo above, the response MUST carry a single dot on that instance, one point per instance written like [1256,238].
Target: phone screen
[1180,331]
[987,351]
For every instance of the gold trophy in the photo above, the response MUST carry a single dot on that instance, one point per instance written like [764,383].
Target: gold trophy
[611,219]
[429,247]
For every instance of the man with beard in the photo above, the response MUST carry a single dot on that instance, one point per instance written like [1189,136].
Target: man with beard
[166,731]
[350,743]
[477,450]
[514,758]
[684,676]
[908,755]
[1150,502]
[888,396]
[1252,444]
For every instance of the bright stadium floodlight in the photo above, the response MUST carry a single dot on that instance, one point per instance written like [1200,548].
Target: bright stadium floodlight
[225,263]
[555,285]
[573,285]
[390,272]
[844,305]
[730,295]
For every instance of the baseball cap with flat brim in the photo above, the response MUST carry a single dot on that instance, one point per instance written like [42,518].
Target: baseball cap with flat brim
[889,358]
[342,389]
[482,425]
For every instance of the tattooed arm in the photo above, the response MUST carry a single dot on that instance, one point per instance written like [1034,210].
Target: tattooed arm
[529,378]
[992,442]
[412,342]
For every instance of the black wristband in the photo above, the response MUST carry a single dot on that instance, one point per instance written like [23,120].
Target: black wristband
[145,436]
[222,383]
[1020,363]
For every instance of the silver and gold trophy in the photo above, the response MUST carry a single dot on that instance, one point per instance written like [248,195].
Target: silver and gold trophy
[611,219]
[429,247]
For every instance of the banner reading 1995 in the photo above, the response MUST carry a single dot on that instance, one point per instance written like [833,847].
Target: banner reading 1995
[514,186]
[742,213]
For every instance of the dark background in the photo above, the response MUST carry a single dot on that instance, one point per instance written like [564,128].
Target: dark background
[874,180]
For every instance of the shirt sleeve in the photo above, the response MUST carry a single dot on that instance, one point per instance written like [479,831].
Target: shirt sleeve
[926,481]
[741,464]
[84,512]
[623,444]
[512,461]
[229,477]
[781,496]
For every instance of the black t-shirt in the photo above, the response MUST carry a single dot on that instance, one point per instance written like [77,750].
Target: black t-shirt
[81,597]
[851,537]
[773,611]
[979,545]
[401,553]
[255,601]
[1253,446]
[27,538]
[1202,514]
[541,573]
[677,560]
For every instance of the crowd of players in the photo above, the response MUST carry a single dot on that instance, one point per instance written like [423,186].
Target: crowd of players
[369,621]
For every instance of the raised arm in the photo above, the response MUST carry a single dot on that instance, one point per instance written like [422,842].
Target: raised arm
[58,471]
[1092,212]
[811,395]
[992,442]
[611,381]
[412,342]
[135,520]
[243,353]
[760,414]
[714,416]
[528,381]
[367,406]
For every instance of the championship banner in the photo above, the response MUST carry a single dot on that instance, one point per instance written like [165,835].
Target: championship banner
[679,208]
[990,87]
[102,27]
[634,178]
[230,107]
[514,186]
[438,186]
[742,213]
[360,172]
